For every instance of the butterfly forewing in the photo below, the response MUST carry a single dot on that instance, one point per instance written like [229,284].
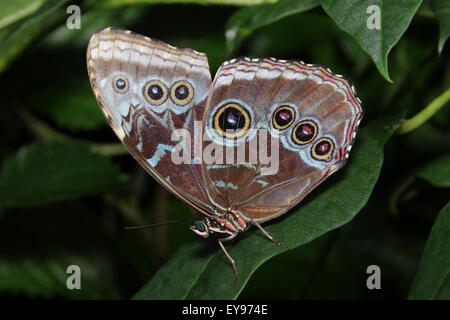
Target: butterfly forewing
[147,89]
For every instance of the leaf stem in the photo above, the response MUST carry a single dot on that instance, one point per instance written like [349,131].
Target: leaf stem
[425,12]
[420,118]
[109,149]
[398,192]
[39,129]
[43,132]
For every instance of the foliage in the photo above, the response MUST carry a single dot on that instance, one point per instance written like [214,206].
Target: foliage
[441,9]
[67,187]
[431,281]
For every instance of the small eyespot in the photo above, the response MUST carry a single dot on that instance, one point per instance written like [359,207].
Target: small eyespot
[323,149]
[120,84]
[304,132]
[283,117]
[155,92]
[231,120]
[181,92]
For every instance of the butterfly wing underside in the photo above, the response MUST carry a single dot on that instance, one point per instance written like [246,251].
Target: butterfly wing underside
[284,99]
[147,89]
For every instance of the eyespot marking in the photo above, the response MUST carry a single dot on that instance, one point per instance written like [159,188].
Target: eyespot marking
[155,92]
[304,132]
[323,149]
[181,92]
[231,117]
[120,84]
[283,117]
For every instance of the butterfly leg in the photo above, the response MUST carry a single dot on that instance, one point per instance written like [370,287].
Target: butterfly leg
[236,274]
[268,235]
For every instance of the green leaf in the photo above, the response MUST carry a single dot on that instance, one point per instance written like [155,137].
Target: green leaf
[394,17]
[46,276]
[432,281]
[441,9]
[12,11]
[437,172]
[44,173]
[109,3]
[17,37]
[246,20]
[38,244]
[179,276]
[93,20]
[70,103]
[210,276]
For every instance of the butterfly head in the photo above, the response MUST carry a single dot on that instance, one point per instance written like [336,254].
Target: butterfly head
[229,223]
[201,228]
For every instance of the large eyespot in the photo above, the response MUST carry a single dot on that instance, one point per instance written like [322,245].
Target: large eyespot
[155,92]
[323,149]
[181,92]
[120,84]
[232,120]
[304,132]
[283,117]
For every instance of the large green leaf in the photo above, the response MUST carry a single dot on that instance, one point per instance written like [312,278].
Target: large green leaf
[210,275]
[38,244]
[246,20]
[46,276]
[188,263]
[441,9]
[437,172]
[394,16]
[70,103]
[43,173]
[432,281]
[93,20]
[16,37]
[14,10]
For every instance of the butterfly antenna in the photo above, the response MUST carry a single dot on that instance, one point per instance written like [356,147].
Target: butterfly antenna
[154,225]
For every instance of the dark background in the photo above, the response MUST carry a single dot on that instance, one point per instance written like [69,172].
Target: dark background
[45,93]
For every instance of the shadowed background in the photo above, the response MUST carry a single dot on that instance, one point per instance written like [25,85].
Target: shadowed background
[67,187]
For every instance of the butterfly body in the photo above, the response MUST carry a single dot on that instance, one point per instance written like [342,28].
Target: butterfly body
[243,148]
[228,224]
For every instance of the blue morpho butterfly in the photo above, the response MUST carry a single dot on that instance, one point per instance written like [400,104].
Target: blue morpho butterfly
[148,90]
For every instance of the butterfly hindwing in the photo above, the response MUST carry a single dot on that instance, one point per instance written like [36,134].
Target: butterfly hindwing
[312,115]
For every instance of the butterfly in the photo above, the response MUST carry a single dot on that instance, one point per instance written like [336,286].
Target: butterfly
[203,140]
